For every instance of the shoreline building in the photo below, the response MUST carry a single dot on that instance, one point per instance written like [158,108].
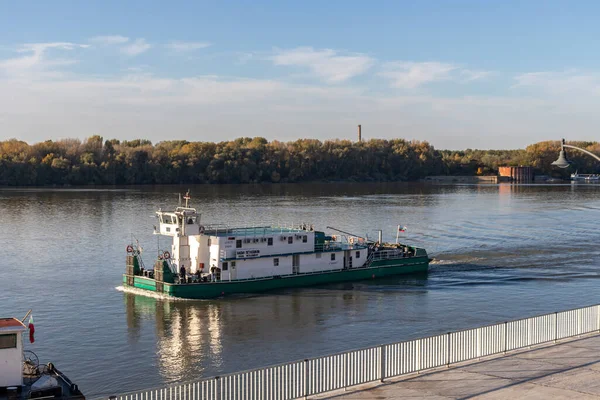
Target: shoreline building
[520,174]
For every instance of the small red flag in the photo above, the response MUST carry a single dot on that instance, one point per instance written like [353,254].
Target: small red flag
[31,329]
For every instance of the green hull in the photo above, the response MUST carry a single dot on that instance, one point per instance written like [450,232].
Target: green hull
[377,269]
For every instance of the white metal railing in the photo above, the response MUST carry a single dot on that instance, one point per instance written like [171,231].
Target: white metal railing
[323,374]
[253,231]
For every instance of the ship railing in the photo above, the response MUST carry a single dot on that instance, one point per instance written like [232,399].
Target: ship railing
[337,246]
[398,253]
[313,376]
[255,231]
[420,252]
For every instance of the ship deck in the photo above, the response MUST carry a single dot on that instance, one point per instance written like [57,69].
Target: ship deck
[46,382]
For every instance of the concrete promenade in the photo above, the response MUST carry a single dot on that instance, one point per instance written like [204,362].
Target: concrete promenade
[569,369]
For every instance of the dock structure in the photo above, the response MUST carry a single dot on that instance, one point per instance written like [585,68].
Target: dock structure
[555,355]
[568,370]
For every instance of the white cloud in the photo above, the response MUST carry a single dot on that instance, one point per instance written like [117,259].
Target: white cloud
[140,104]
[187,46]
[571,80]
[214,108]
[138,46]
[36,58]
[470,75]
[410,75]
[109,39]
[326,64]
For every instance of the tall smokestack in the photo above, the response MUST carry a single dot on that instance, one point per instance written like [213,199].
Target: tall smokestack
[359,134]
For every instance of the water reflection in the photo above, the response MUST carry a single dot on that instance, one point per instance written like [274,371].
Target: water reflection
[201,338]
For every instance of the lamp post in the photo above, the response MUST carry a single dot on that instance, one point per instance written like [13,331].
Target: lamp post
[562,161]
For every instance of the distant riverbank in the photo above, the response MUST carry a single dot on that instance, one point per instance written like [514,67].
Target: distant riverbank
[96,161]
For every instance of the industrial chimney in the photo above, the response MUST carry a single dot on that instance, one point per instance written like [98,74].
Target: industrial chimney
[359,134]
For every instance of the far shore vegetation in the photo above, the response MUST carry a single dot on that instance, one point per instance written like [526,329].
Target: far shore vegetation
[95,161]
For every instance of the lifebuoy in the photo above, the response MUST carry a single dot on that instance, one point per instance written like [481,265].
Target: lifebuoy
[130,249]
[201,228]
[166,255]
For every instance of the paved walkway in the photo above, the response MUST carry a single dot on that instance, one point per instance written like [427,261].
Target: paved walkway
[568,370]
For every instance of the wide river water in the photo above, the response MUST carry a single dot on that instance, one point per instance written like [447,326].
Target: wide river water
[501,252]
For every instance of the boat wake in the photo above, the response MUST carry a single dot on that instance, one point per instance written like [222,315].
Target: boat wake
[439,261]
[147,293]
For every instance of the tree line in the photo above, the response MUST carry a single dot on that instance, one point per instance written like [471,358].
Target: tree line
[255,160]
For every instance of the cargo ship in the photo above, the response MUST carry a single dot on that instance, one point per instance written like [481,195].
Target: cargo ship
[210,261]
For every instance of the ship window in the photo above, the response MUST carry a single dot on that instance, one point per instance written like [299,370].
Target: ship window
[276,262]
[304,239]
[290,240]
[233,264]
[238,244]
[168,229]
[8,341]
[358,254]
[209,242]
[225,266]
[270,241]
[318,255]
[332,256]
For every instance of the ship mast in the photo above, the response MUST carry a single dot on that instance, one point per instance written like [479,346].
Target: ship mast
[187,198]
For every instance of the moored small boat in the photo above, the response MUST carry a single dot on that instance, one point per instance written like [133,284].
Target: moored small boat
[212,261]
[585,177]
[21,375]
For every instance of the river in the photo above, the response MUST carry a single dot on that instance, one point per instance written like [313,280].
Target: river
[501,252]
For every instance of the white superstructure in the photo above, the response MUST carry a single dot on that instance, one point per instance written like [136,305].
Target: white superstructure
[226,253]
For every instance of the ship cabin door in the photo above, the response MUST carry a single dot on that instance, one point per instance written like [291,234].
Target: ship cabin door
[215,274]
[347,259]
[296,264]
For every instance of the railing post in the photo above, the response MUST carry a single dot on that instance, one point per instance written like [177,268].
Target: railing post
[529,332]
[382,363]
[479,343]
[448,350]
[418,358]
[505,336]
[305,379]
[217,388]
[555,327]
[345,371]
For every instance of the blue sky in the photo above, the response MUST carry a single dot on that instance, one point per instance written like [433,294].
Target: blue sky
[455,73]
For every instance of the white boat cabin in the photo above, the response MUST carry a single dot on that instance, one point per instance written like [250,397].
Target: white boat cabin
[11,352]
[222,253]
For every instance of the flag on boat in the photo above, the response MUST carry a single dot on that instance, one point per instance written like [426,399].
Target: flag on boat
[401,228]
[31,329]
